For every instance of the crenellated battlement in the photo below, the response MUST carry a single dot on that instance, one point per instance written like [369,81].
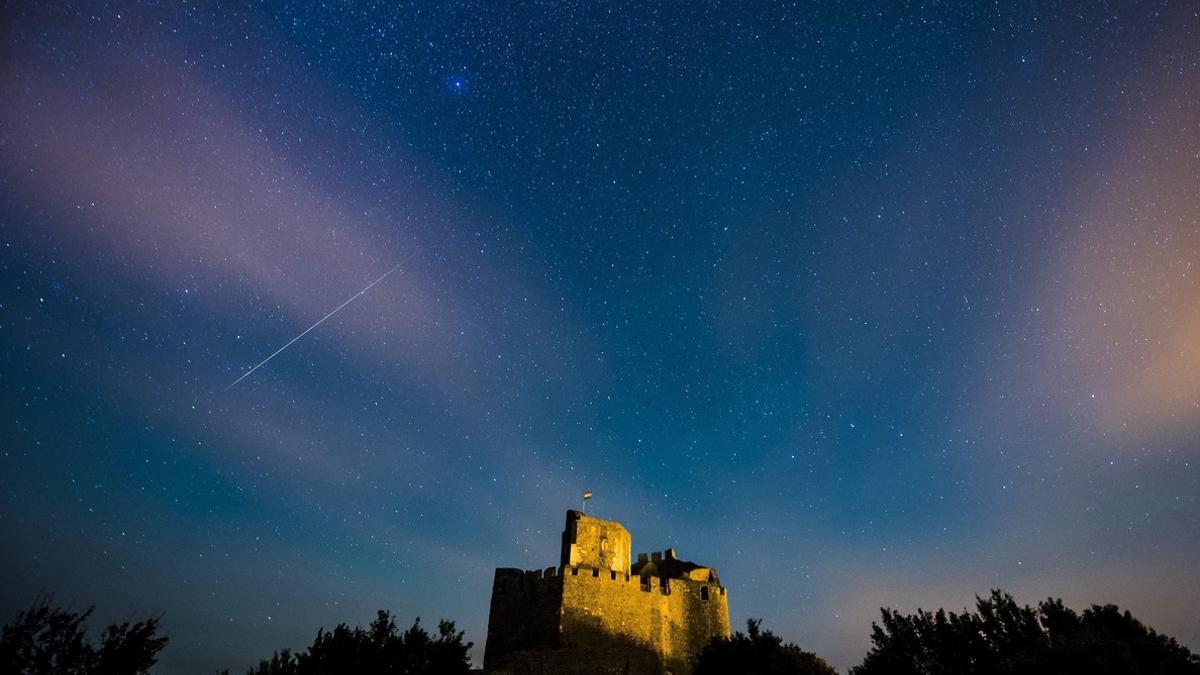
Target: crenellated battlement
[512,580]
[648,616]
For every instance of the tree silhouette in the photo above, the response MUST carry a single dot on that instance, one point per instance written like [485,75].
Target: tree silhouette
[379,649]
[45,640]
[757,652]
[1002,637]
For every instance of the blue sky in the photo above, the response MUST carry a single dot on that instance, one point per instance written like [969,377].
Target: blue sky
[860,305]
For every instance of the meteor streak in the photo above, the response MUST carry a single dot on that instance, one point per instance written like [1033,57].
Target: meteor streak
[309,329]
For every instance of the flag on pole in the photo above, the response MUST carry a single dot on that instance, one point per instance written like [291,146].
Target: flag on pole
[587,494]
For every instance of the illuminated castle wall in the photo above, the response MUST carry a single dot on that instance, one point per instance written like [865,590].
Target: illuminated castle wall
[600,612]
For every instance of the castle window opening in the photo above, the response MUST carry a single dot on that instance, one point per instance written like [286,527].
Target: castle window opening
[613,574]
[646,583]
[596,572]
[704,592]
[664,585]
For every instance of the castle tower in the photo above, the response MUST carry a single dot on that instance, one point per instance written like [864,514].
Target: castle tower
[594,543]
[600,612]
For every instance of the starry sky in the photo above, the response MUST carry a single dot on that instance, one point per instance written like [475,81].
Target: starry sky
[861,303]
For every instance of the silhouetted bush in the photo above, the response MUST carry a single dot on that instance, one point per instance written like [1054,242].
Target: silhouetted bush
[380,649]
[758,652]
[1001,637]
[45,640]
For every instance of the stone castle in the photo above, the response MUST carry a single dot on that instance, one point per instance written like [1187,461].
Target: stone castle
[599,612]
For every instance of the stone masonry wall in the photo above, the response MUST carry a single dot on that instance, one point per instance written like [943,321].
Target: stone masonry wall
[592,615]
[592,542]
[525,612]
[671,618]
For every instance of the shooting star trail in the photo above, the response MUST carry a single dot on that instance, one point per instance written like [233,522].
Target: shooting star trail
[309,329]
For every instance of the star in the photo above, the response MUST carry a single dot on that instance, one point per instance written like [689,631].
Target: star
[458,84]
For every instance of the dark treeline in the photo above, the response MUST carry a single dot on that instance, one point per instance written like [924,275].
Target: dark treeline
[380,649]
[758,651]
[998,637]
[46,640]
[1002,637]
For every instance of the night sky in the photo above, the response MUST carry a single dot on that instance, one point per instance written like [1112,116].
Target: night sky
[862,304]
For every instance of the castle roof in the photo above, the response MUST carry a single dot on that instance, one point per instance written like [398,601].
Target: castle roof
[669,566]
